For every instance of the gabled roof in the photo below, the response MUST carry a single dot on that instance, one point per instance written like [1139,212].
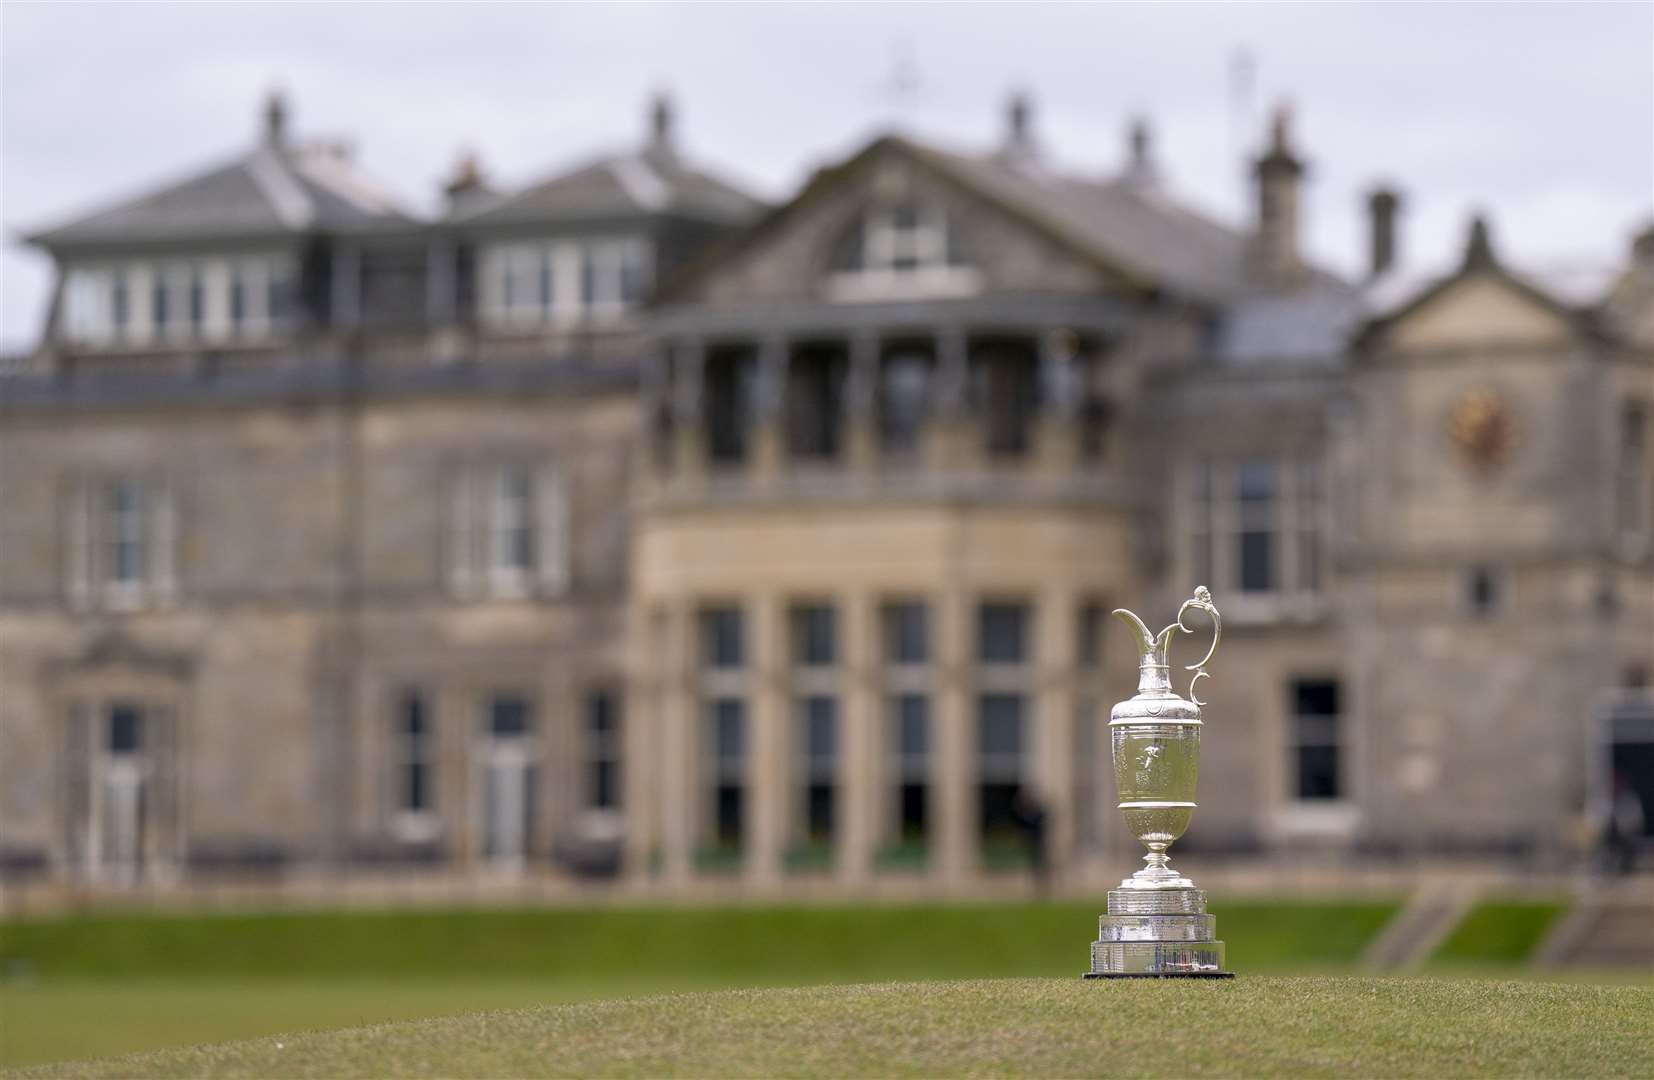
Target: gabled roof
[619,185]
[1573,296]
[274,189]
[1128,225]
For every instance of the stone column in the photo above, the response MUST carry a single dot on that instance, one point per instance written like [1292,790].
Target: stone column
[769,434]
[346,300]
[947,428]
[447,340]
[953,841]
[860,760]
[681,745]
[1056,437]
[769,776]
[1054,704]
[641,731]
[861,404]
[688,427]
[653,395]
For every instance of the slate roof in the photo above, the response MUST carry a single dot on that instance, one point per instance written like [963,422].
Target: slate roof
[619,185]
[1135,225]
[274,189]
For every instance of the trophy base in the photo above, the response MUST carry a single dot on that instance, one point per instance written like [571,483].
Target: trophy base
[1164,933]
[1157,975]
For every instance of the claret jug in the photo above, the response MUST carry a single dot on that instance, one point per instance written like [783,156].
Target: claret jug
[1157,923]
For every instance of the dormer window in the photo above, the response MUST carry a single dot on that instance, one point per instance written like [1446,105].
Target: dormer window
[901,249]
[562,282]
[142,302]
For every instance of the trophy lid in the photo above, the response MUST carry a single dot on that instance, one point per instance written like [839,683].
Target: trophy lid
[1156,702]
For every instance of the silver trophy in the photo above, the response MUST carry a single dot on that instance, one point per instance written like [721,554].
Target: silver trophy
[1157,926]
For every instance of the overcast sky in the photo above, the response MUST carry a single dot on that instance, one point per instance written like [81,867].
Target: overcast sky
[1543,115]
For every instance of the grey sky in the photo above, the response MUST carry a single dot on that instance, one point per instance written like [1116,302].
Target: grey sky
[1542,114]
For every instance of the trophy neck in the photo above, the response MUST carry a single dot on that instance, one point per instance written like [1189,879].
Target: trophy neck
[1154,676]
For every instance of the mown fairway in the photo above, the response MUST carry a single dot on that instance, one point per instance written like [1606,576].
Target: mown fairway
[90,986]
[1258,1026]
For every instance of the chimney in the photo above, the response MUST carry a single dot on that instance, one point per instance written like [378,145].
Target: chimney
[467,186]
[661,144]
[1140,166]
[1278,173]
[1019,146]
[1478,247]
[275,118]
[1383,203]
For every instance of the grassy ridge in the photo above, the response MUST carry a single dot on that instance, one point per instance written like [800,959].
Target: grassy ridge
[734,945]
[1258,1026]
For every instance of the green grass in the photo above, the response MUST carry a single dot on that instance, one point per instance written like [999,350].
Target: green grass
[153,981]
[1501,933]
[734,944]
[1258,1026]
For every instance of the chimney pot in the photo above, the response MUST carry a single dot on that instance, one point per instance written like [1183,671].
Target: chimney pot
[467,184]
[1140,167]
[1277,174]
[1383,205]
[661,142]
[1478,248]
[275,118]
[1019,127]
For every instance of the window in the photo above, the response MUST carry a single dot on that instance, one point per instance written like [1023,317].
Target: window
[1483,591]
[722,651]
[119,540]
[210,298]
[1088,636]
[603,749]
[512,527]
[1255,555]
[813,633]
[197,294]
[1632,480]
[1316,740]
[909,716]
[1003,649]
[818,743]
[509,716]
[125,729]
[722,644]
[126,532]
[903,248]
[546,282]
[1002,633]
[726,718]
[1254,526]
[904,379]
[1000,751]
[508,530]
[906,651]
[160,302]
[906,632]
[414,746]
[731,403]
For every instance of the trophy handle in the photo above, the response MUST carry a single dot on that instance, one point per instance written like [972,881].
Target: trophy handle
[1202,601]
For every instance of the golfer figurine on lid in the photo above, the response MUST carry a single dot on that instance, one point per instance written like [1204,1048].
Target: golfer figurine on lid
[1157,926]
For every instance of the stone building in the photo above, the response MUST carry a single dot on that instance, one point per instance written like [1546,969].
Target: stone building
[618,524]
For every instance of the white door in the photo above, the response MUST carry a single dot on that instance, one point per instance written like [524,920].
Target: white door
[505,802]
[119,839]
